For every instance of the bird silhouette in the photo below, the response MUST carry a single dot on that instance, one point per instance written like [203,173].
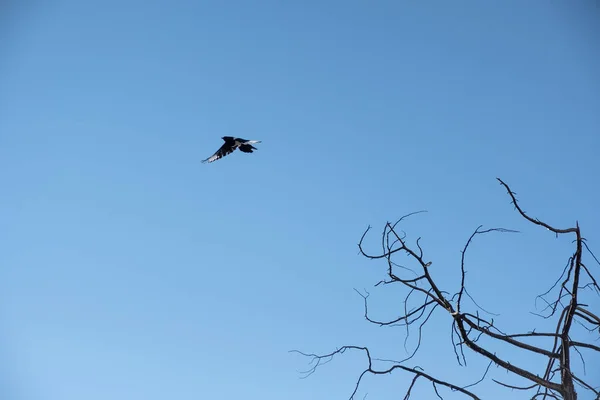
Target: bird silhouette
[230,145]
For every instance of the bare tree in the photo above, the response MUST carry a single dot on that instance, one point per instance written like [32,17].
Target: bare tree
[557,346]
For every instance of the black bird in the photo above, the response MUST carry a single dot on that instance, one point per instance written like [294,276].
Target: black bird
[230,145]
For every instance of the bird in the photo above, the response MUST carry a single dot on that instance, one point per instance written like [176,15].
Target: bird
[232,143]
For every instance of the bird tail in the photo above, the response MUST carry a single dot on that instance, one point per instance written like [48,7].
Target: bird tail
[253,141]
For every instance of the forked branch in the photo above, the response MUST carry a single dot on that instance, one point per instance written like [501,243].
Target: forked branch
[556,381]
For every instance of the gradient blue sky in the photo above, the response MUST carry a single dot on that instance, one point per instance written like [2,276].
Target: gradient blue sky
[129,270]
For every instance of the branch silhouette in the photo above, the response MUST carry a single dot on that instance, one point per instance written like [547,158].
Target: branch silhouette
[557,380]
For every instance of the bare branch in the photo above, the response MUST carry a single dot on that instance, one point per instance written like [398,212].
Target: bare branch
[416,371]
[533,220]
[468,329]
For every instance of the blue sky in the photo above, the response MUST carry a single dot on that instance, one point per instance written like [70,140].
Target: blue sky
[132,271]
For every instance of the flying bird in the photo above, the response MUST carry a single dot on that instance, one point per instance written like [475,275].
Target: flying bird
[230,145]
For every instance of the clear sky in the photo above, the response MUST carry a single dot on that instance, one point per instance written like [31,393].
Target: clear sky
[129,270]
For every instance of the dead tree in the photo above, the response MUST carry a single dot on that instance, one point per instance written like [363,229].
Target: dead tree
[556,380]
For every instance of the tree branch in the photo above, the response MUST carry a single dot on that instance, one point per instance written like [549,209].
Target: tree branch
[468,328]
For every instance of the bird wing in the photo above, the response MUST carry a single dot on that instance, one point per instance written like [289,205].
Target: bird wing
[247,148]
[222,152]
